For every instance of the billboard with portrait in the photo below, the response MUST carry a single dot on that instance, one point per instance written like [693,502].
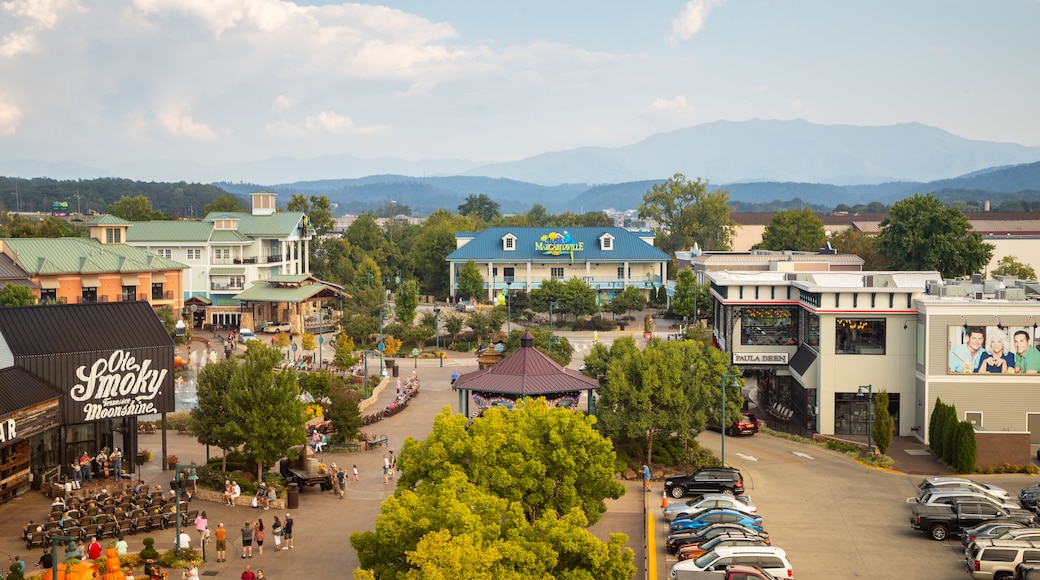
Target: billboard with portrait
[993,349]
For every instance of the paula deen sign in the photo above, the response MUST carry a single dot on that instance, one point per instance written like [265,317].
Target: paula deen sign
[767,358]
[120,385]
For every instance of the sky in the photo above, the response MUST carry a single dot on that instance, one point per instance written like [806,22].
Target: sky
[230,81]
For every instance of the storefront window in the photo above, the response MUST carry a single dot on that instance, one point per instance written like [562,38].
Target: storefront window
[859,336]
[767,325]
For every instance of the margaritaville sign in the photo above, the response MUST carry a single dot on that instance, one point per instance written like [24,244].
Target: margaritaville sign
[556,243]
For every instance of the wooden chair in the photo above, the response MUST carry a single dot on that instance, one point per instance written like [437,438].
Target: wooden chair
[110,529]
[189,517]
[90,532]
[156,522]
[36,539]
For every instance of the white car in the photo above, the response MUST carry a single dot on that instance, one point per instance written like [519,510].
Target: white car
[245,334]
[959,484]
[768,558]
[948,497]
[276,327]
[708,501]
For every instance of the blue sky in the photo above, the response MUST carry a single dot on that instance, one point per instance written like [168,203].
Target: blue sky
[214,81]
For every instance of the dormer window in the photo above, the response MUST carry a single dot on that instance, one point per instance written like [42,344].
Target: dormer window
[606,242]
[509,242]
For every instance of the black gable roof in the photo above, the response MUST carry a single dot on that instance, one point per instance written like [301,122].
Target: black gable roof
[70,328]
[19,389]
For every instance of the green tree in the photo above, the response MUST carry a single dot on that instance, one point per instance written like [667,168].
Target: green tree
[920,234]
[453,324]
[1009,266]
[345,357]
[516,455]
[578,298]
[856,242]
[688,213]
[480,205]
[468,532]
[224,203]
[482,325]
[964,458]
[267,406]
[316,384]
[343,410]
[471,281]
[884,425]
[16,295]
[549,291]
[794,229]
[433,242]
[628,300]
[669,387]
[406,301]
[685,301]
[559,348]
[134,209]
[215,418]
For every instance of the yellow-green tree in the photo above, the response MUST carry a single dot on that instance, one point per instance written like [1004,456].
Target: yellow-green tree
[689,213]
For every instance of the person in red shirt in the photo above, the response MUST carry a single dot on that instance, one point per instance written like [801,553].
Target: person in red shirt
[248,574]
[94,550]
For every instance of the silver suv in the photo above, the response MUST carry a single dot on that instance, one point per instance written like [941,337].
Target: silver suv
[997,559]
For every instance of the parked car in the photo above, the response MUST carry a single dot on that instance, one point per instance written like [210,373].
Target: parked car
[997,559]
[732,572]
[710,501]
[747,424]
[244,334]
[768,558]
[466,306]
[1026,533]
[948,497]
[695,550]
[716,517]
[1029,496]
[676,540]
[1027,571]
[939,521]
[953,484]
[726,480]
[276,327]
[989,530]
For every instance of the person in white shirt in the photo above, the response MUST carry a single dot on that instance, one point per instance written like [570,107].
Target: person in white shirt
[185,541]
[236,490]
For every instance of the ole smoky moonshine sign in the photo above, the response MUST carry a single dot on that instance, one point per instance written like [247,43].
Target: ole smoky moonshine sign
[120,384]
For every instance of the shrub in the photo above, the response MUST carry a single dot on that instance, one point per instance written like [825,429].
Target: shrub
[149,552]
[459,347]
[178,420]
[933,423]
[884,424]
[965,448]
[594,323]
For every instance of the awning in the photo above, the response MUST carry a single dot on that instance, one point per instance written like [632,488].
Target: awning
[50,283]
[227,272]
[131,280]
[158,277]
[90,282]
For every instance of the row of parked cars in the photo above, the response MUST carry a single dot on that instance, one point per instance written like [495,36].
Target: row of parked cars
[1000,534]
[717,532]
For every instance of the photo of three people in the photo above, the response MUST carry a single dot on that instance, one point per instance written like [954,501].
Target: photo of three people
[993,349]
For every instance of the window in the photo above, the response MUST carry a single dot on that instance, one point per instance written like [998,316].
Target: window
[859,336]
[621,273]
[606,242]
[509,242]
[89,296]
[556,272]
[165,253]
[765,325]
[129,294]
[222,253]
[113,235]
[236,281]
[194,253]
[48,295]
[157,291]
[998,555]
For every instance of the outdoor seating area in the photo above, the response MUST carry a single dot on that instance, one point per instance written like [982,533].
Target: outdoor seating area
[105,515]
[404,394]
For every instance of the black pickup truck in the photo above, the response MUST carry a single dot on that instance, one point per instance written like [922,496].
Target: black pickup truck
[939,521]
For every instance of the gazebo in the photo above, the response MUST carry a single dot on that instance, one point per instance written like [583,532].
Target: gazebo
[527,372]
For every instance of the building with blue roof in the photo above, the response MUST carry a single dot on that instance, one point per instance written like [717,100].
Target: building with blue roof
[609,259]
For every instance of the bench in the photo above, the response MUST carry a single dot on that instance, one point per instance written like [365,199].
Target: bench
[376,442]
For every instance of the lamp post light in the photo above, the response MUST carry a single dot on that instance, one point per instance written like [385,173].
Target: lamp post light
[551,306]
[732,383]
[380,346]
[509,311]
[869,390]
[437,330]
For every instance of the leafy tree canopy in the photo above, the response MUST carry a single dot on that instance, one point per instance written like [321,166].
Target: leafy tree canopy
[135,209]
[480,205]
[471,281]
[1009,266]
[406,301]
[225,202]
[794,229]
[688,213]
[15,295]
[920,234]
[854,241]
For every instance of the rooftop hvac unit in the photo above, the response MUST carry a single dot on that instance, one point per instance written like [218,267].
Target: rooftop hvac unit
[1011,294]
[955,291]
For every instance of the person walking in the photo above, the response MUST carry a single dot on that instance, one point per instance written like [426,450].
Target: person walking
[393,463]
[355,472]
[259,534]
[341,482]
[202,526]
[247,540]
[221,536]
[646,477]
[248,574]
[287,531]
[276,531]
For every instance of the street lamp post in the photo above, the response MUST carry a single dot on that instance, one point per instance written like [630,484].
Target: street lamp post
[509,311]
[869,390]
[732,383]
[551,306]
[437,330]
[382,315]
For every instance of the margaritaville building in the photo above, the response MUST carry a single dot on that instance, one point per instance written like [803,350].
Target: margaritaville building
[609,259]
[73,379]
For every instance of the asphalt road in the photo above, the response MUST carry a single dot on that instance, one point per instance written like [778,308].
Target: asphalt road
[834,517]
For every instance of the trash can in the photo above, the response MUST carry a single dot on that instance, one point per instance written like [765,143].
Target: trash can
[397,370]
[292,497]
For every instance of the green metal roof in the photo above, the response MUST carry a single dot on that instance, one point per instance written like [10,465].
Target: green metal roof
[106,220]
[227,271]
[278,224]
[487,246]
[44,256]
[290,278]
[169,231]
[232,236]
[263,292]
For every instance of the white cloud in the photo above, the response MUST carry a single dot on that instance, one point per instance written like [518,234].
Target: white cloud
[180,125]
[691,19]
[282,103]
[677,104]
[9,116]
[329,121]
[31,17]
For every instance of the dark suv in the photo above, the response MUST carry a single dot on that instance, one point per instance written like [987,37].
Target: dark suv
[706,480]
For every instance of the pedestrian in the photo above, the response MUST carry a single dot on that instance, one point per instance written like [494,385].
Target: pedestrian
[341,482]
[19,563]
[646,477]
[287,530]
[94,549]
[259,534]
[276,531]
[46,560]
[102,462]
[202,526]
[355,472]
[393,463]
[260,575]
[248,574]
[121,546]
[247,540]
[386,470]
[221,535]
[191,572]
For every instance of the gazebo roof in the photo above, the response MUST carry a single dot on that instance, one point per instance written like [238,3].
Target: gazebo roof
[527,371]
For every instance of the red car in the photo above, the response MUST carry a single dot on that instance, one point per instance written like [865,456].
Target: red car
[746,425]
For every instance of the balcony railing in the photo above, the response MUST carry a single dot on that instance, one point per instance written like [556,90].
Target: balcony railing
[598,283]
[226,287]
[274,258]
[167,295]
